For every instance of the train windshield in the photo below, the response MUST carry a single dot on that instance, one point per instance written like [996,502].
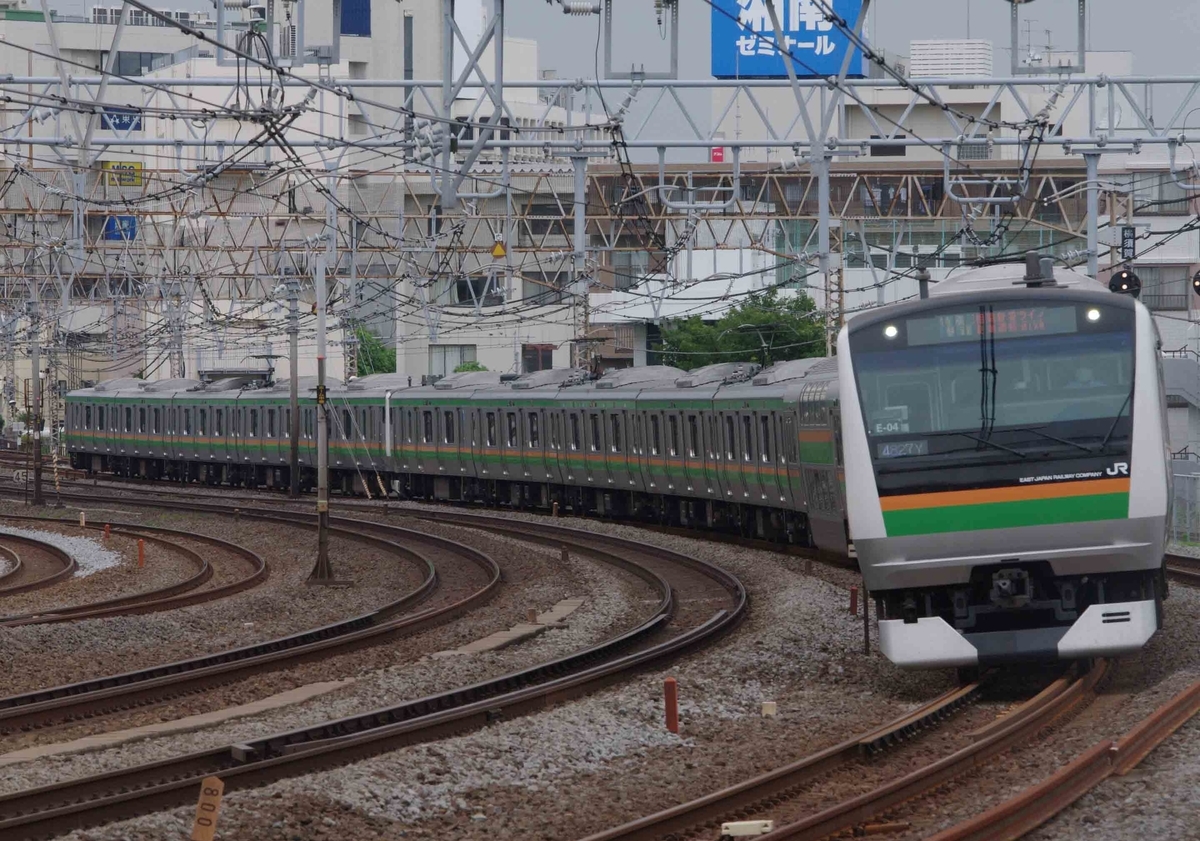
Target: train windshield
[996,384]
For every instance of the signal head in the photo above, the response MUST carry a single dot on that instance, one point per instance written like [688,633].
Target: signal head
[1125,282]
[1196,283]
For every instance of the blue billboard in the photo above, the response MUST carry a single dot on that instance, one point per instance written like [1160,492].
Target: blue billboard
[122,120]
[120,228]
[743,38]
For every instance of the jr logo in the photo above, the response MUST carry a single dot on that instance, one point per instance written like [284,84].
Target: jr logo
[1119,468]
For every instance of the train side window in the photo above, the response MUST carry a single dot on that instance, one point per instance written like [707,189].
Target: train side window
[655,435]
[614,423]
[730,439]
[203,422]
[693,436]
[87,417]
[513,432]
[764,437]
[636,445]
[448,426]
[747,438]
[427,424]
[254,423]
[270,423]
[595,433]
[534,436]
[99,417]
[673,426]
[128,419]
[490,429]
[714,443]
[574,432]
[218,421]
[555,432]
[187,421]
[141,419]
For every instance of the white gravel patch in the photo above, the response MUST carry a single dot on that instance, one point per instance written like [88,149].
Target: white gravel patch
[89,554]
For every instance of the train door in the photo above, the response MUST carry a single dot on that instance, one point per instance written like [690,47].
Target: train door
[693,452]
[821,472]
[449,441]
[487,457]
[616,441]
[764,490]
[594,464]
[788,462]
[673,444]
[555,444]
[538,421]
[637,448]
[573,448]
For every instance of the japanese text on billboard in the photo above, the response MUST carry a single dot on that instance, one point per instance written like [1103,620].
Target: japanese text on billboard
[744,44]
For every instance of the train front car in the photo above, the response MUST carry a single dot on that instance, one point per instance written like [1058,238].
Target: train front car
[1006,469]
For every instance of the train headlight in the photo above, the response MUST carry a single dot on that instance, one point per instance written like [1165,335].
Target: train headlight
[1093,315]
[891,331]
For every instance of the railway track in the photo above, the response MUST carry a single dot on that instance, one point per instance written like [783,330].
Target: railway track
[45,811]
[53,565]
[763,794]
[106,695]
[181,594]
[1184,569]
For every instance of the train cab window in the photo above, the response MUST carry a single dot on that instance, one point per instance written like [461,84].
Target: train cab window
[202,427]
[490,429]
[427,426]
[693,436]
[448,427]
[614,424]
[270,423]
[730,439]
[595,433]
[764,437]
[655,435]
[747,437]
[574,432]
[87,417]
[513,433]
[535,438]
[673,426]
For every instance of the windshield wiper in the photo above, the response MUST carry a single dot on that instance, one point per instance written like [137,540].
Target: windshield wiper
[1116,420]
[987,441]
[1049,437]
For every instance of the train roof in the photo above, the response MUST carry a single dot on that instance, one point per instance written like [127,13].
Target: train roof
[1008,276]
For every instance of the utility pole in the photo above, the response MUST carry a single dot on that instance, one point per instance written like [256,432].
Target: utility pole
[323,571]
[1092,160]
[579,240]
[35,420]
[293,293]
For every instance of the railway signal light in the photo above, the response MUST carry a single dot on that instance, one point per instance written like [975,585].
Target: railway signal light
[1126,282]
[1196,283]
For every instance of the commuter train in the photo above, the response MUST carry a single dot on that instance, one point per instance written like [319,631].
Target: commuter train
[979,446]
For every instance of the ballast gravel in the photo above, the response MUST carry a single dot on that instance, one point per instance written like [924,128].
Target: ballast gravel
[90,554]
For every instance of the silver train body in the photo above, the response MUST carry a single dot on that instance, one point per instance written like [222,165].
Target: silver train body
[1006,469]
[775,454]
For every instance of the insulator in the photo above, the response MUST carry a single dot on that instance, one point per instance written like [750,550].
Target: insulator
[580,8]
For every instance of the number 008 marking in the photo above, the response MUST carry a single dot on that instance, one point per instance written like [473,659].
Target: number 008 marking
[207,809]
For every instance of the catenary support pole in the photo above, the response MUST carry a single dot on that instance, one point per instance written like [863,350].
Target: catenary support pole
[1092,160]
[820,167]
[579,240]
[293,293]
[322,571]
[35,421]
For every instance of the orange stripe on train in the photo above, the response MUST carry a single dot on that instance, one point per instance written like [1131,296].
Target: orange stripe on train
[1016,493]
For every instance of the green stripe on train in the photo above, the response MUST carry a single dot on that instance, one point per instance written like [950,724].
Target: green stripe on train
[1005,515]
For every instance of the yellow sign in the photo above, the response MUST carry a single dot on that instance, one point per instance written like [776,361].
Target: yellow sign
[122,173]
[207,810]
[498,250]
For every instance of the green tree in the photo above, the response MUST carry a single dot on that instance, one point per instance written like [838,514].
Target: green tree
[469,366]
[764,328]
[374,357]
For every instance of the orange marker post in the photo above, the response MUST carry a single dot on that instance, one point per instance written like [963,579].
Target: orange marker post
[854,601]
[141,553]
[671,700]
[107,531]
[204,827]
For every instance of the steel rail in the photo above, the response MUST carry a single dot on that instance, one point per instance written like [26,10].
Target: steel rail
[783,782]
[68,564]
[150,685]
[17,563]
[1184,569]
[875,803]
[1039,803]
[44,811]
[170,597]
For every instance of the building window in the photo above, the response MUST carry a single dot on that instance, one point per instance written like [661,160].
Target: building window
[1164,287]
[536,358]
[629,268]
[443,359]
[888,150]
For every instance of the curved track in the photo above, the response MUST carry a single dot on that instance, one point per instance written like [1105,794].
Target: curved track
[683,582]
[60,565]
[171,597]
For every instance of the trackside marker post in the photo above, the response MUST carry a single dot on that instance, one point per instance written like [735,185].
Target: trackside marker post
[671,700]
[82,520]
[107,531]
[204,827]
